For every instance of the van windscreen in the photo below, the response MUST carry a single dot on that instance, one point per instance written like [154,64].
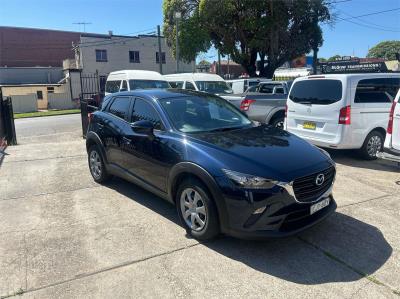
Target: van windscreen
[320,92]
[147,84]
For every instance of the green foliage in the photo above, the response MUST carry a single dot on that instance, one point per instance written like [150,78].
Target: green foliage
[386,49]
[275,31]
[334,57]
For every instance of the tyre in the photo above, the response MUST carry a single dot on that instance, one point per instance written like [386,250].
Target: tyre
[278,122]
[372,144]
[96,165]
[196,210]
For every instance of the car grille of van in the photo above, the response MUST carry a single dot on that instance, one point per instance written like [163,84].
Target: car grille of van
[306,188]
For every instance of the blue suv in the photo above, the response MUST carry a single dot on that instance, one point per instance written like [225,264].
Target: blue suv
[225,173]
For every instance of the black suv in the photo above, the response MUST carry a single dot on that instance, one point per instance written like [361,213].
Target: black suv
[223,172]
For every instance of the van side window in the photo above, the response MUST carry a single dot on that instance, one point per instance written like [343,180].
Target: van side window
[124,85]
[120,107]
[176,84]
[145,111]
[189,86]
[378,90]
[113,86]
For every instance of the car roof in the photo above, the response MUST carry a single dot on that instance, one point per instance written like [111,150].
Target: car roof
[158,94]
[135,74]
[194,76]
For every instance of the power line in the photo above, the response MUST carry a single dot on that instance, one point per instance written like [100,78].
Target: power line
[367,26]
[373,13]
[368,22]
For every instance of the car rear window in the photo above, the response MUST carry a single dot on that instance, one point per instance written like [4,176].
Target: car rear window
[320,92]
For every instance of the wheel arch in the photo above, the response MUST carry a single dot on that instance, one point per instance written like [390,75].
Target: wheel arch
[93,139]
[277,112]
[184,170]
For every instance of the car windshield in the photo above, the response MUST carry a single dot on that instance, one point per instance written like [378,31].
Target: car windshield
[215,87]
[321,92]
[147,84]
[193,114]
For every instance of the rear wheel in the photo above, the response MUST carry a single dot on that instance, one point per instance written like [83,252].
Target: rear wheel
[97,166]
[372,145]
[278,122]
[197,210]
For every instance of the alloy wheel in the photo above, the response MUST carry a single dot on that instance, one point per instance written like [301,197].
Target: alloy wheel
[374,145]
[280,124]
[95,164]
[193,208]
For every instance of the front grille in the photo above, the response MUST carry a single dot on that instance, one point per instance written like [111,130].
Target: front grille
[305,188]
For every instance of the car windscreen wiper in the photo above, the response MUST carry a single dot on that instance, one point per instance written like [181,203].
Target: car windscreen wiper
[223,129]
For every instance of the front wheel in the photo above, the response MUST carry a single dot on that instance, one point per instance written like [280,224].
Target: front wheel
[372,145]
[197,210]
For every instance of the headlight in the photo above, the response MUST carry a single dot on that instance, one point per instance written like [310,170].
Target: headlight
[250,181]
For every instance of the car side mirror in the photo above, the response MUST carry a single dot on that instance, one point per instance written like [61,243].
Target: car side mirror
[143,127]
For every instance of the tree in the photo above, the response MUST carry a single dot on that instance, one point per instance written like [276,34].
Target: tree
[334,57]
[386,49]
[204,62]
[247,30]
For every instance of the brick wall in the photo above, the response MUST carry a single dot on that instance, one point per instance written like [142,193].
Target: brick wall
[24,47]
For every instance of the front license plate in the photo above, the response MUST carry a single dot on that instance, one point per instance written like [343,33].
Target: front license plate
[319,205]
[309,125]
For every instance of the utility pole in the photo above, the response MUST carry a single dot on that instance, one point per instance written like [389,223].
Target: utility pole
[159,48]
[177,17]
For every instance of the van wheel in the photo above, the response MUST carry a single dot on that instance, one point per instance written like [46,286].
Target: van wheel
[196,210]
[372,145]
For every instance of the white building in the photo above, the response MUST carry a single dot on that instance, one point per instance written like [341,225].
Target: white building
[106,53]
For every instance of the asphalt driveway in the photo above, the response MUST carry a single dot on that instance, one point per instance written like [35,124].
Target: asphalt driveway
[62,235]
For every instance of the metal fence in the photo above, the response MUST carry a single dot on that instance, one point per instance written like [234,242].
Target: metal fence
[7,128]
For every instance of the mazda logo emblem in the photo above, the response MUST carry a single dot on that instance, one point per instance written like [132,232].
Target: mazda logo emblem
[320,179]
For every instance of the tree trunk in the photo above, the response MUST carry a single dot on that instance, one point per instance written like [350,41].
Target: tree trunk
[315,60]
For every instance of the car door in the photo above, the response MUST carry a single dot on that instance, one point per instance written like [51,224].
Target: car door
[147,157]
[113,125]
[395,142]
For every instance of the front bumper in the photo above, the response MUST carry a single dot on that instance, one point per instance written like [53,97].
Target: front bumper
[283,216]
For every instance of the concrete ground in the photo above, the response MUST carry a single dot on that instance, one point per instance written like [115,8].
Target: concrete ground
[64,236]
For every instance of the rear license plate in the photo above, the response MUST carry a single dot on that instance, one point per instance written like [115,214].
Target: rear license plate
[319,205]
[309,125]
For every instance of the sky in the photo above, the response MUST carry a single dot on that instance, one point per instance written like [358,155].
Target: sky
[353,36]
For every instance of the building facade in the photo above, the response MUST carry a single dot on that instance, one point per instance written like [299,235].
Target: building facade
[29,47]
[107,53]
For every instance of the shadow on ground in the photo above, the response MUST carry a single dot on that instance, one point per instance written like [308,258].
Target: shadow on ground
[352,158]
[296,259]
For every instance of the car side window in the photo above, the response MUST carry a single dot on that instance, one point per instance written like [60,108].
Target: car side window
[189,86]
[143,110]
[124,85]
[113,86]
[176,84]
[378,90]
[120,107]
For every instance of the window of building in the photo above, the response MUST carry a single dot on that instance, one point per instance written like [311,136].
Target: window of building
[101,55]
[378,90]
[134,57]
[39,94]
[162,57]
[50,89]
[120,107]
[145,111]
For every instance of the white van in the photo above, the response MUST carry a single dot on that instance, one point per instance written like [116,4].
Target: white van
[391,149]
[241,85]
[200,82]
[126,80]
[343,111]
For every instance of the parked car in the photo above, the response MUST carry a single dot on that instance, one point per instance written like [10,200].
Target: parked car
[391,150]
[344,111]
[126,80]
[241,85]
[265,102]
[223,172]
[210,83]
